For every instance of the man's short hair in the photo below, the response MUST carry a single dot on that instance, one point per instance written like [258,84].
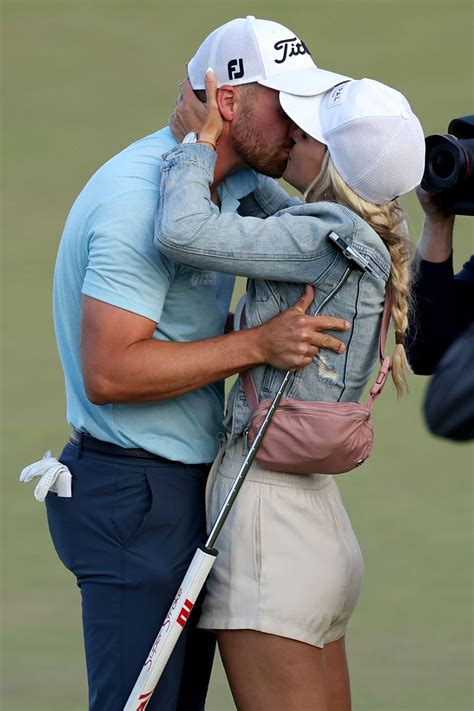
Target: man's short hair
[243,88]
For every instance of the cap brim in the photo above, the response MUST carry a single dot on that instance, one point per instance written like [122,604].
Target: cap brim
[304,112]
[304,82]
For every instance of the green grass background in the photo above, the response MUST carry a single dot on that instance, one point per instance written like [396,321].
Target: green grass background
[82,79]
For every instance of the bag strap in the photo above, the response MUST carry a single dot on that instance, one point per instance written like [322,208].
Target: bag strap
[248,382]
[385,361]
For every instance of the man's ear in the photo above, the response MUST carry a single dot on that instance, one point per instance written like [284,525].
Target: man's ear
[227,100]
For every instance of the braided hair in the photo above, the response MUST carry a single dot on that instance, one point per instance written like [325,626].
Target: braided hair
[389,221]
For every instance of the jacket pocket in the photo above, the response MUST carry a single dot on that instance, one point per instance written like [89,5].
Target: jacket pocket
[268,380]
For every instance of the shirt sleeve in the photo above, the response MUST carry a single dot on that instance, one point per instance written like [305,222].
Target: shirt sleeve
[449,403]
[467,272]
[442,308]
[124,268]
[283,247]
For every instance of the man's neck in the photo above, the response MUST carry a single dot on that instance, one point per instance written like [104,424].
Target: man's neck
[227,162]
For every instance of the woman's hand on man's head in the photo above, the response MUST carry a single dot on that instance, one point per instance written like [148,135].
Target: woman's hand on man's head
[191,114]
[214,123]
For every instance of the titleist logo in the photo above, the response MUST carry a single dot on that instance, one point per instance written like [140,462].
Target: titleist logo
[291,47]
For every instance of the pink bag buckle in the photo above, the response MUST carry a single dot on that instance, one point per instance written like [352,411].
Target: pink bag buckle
[381,377]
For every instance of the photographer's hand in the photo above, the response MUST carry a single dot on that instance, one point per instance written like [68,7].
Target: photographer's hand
[436,241]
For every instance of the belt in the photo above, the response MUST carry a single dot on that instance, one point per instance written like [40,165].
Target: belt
[86,441]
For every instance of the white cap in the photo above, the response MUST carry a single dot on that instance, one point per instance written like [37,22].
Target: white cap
[375,140]
[248,50]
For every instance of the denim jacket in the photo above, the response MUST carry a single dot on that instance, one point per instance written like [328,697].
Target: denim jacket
[279,255]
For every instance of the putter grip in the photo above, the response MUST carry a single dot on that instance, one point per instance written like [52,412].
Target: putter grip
[171,628]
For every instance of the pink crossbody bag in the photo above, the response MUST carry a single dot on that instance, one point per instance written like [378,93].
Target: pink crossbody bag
[306,437]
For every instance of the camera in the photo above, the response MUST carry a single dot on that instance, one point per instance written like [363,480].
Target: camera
[449,167]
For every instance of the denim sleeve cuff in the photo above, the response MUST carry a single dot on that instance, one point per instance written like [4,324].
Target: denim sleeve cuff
[191,154]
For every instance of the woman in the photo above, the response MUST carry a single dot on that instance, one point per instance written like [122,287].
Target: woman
[289,569]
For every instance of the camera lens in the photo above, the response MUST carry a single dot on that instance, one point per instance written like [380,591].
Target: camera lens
[443,163]
[449,167]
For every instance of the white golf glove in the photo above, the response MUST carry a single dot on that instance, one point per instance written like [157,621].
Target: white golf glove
[54,477]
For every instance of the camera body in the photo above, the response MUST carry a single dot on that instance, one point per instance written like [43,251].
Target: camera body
[449,167]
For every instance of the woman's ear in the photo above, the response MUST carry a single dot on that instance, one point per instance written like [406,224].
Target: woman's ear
[227,99]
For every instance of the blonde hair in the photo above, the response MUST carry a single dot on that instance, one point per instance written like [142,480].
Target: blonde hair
[389,222]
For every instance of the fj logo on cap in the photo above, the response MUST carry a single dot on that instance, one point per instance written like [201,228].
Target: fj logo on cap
[337,95]
[235,68]
[291,47]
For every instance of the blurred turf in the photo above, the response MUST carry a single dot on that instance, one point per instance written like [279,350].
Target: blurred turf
[82,80]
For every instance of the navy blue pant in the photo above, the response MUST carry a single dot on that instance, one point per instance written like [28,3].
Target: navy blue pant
[128,534]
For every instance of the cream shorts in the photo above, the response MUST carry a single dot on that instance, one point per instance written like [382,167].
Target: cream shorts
[289,563]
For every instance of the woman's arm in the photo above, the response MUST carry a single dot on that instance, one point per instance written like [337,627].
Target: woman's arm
[285,247]
[267,198]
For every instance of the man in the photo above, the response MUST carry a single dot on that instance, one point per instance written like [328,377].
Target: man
[142,345]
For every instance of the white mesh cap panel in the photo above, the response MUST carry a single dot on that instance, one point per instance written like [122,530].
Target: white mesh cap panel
[229,50]
[375,139]
[241,50]
[380,158]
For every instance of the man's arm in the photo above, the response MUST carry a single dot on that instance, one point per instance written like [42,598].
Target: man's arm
[122,362]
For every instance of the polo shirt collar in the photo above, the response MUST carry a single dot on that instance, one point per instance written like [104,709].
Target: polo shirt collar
[236,187]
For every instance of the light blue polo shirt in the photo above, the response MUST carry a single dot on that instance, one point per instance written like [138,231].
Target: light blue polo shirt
[107,252]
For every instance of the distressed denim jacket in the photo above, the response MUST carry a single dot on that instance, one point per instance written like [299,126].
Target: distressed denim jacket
[279,255]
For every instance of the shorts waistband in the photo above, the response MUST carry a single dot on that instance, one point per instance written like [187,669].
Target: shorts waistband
[235,455]
[87,442]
